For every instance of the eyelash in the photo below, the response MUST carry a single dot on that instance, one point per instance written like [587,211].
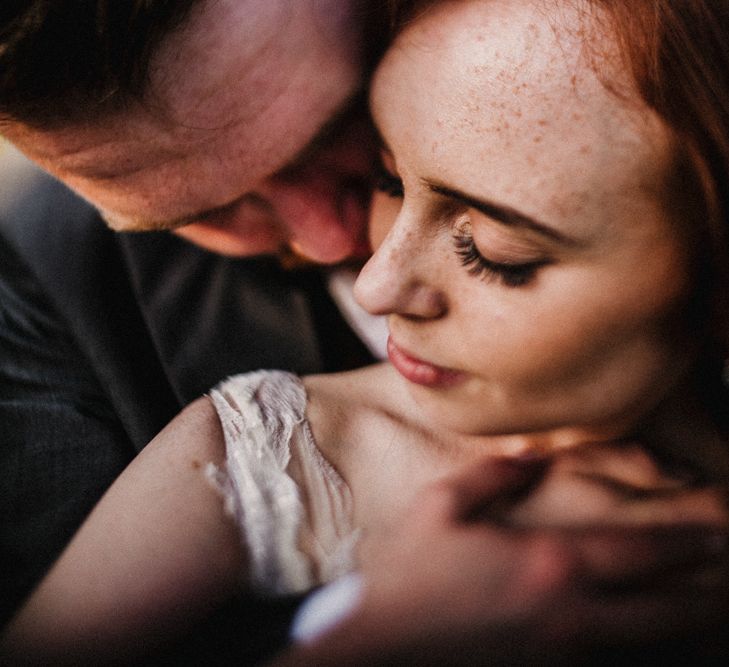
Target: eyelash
[511,275]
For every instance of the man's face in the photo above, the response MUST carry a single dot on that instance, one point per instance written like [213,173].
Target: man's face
[250,144]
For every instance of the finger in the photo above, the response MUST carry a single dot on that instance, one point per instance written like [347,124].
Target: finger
[483,486]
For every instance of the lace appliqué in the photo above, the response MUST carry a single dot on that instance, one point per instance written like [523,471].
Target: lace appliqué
[292,507]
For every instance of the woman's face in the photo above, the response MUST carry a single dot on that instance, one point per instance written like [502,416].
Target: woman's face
[532,274]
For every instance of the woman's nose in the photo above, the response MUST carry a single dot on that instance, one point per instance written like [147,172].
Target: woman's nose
[397,279]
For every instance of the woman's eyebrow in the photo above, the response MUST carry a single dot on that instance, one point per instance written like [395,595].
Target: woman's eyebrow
[506,215]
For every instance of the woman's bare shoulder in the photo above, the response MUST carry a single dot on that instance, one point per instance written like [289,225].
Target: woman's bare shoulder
[193,437]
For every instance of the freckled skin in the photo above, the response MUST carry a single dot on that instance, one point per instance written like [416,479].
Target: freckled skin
[596,339]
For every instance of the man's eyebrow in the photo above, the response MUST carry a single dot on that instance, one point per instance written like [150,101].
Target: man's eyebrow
[506,215]
[168,225]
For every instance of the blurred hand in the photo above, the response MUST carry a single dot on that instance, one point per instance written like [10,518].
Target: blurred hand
[447,586]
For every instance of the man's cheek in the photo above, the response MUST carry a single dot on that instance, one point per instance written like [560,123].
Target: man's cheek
[383,212]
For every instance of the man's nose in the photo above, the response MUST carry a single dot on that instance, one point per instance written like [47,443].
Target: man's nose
[322,200]
[323,215]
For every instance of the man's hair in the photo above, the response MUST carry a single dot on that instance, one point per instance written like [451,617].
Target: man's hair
[63,61]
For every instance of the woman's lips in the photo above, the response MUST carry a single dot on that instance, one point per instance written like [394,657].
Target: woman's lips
[419,371]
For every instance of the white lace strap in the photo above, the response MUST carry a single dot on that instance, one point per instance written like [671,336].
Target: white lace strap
[263,499]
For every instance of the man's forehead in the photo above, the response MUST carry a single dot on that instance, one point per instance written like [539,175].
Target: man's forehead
[219,35]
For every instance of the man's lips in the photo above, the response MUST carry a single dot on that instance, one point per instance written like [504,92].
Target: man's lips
[421,372]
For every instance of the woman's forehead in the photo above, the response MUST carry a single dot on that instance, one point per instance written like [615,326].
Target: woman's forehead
[491,69]
[490,84]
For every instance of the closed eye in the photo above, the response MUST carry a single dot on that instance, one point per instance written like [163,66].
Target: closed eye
[510,274]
